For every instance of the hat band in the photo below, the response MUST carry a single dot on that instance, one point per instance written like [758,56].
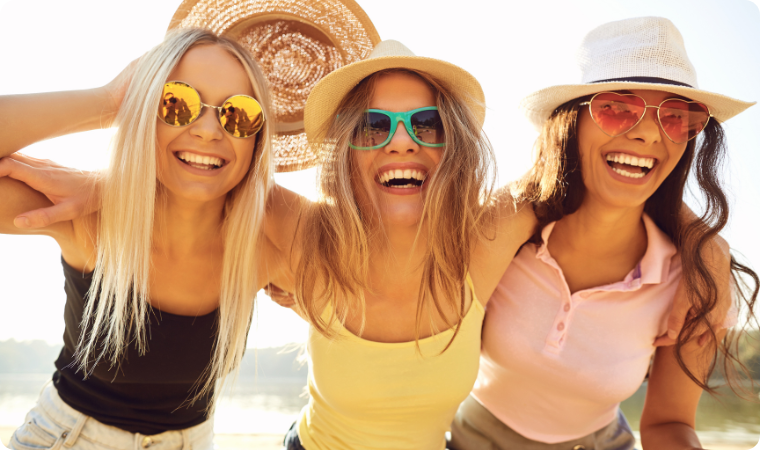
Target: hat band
[654,80]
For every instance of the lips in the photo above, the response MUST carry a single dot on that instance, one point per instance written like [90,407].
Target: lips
[630,166]
[198,161]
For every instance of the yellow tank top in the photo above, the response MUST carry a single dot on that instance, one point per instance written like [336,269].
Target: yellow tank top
[367,395]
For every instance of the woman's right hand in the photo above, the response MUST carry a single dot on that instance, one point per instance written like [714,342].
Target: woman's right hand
[74,193]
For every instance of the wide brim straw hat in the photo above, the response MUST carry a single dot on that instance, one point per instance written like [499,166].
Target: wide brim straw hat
[296,43]
[322,105]
[639,53]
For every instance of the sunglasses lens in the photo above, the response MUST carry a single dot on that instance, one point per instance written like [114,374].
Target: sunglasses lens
[179,105]
[241,116]
[682,120]
[428,127]
[372,131]
[615,113]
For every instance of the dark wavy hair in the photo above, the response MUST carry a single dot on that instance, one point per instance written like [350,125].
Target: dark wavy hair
[555,187]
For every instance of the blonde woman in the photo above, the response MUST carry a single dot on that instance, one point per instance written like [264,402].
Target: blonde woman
[160,281]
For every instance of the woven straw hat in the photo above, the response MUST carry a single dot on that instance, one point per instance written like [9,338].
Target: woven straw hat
[296,43]
[640,53]
[322,105]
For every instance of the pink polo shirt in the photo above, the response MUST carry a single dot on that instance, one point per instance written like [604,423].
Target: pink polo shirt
[555,366]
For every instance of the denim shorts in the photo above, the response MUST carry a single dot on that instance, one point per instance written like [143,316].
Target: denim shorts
[53,424]
[292,441]
[475,428]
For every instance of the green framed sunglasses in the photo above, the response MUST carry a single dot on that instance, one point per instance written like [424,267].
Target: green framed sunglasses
[376,129]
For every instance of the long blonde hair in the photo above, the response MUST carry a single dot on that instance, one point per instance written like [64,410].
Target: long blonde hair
[117,303]
[334,265]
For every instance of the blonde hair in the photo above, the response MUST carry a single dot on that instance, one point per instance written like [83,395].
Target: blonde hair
[126,223]
[334,265]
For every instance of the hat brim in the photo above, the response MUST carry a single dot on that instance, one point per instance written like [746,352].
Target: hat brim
[322,104]
[539,105]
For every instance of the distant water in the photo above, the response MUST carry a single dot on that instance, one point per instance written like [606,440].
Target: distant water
[266,405]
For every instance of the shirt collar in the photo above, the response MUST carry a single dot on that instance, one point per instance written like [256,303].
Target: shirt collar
[654,267]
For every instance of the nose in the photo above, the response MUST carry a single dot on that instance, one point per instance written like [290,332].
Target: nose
[207,126]
[648,131]
[401,143]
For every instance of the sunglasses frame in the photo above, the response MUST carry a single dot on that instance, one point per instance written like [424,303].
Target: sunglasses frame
[659,120]
[218,111]
[396,117]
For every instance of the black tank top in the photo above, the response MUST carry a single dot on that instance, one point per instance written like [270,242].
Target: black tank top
[145,394]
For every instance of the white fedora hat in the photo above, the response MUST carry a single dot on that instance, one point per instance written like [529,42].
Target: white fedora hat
[322,104]
[640,53]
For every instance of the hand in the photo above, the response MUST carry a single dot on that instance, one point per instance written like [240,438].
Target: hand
[717,256]
[280,296]
[117,88]
[73,192]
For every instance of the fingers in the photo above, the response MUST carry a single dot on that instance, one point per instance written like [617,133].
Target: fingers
[664,341]
[40,218]
[280,296]
[32,161]
[34,178]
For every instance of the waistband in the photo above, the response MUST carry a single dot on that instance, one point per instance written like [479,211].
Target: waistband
[111,437]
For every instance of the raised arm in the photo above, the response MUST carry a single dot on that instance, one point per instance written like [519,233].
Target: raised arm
[30,118]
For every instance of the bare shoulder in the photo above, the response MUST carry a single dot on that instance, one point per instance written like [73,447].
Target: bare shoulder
[283,215]
[511,224]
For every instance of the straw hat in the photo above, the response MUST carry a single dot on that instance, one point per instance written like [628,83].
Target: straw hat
[296,43]
[640,53]
[322,105]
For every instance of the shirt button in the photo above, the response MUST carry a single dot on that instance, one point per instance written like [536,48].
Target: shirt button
[561,326]
[147,442]
[567,307]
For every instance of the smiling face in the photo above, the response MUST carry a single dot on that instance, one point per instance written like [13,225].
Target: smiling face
[391,180]
[624,171]
[200,161]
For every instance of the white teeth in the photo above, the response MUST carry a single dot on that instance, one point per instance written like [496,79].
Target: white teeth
[193,159]
[622,158]
[402,174]
[628,174]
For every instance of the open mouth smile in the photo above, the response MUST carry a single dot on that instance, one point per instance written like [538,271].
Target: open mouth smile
[199,161]
[630,166]
[402,178]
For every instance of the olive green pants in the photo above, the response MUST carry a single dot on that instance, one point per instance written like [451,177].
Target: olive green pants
[475,428]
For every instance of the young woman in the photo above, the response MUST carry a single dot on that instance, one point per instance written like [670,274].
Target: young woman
[569,330]
[160,282]
[394,265]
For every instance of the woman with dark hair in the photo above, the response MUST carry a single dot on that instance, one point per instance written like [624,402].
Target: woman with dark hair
[569,331]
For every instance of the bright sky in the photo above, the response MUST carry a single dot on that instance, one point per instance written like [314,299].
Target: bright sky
[513,48]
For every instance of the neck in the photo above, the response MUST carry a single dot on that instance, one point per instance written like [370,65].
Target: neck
[183,227]
[599,230]
[396,257]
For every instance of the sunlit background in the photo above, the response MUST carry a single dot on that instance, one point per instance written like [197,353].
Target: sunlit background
[512,48]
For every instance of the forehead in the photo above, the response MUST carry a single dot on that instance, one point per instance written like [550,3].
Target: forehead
[213,72]
[400,91]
